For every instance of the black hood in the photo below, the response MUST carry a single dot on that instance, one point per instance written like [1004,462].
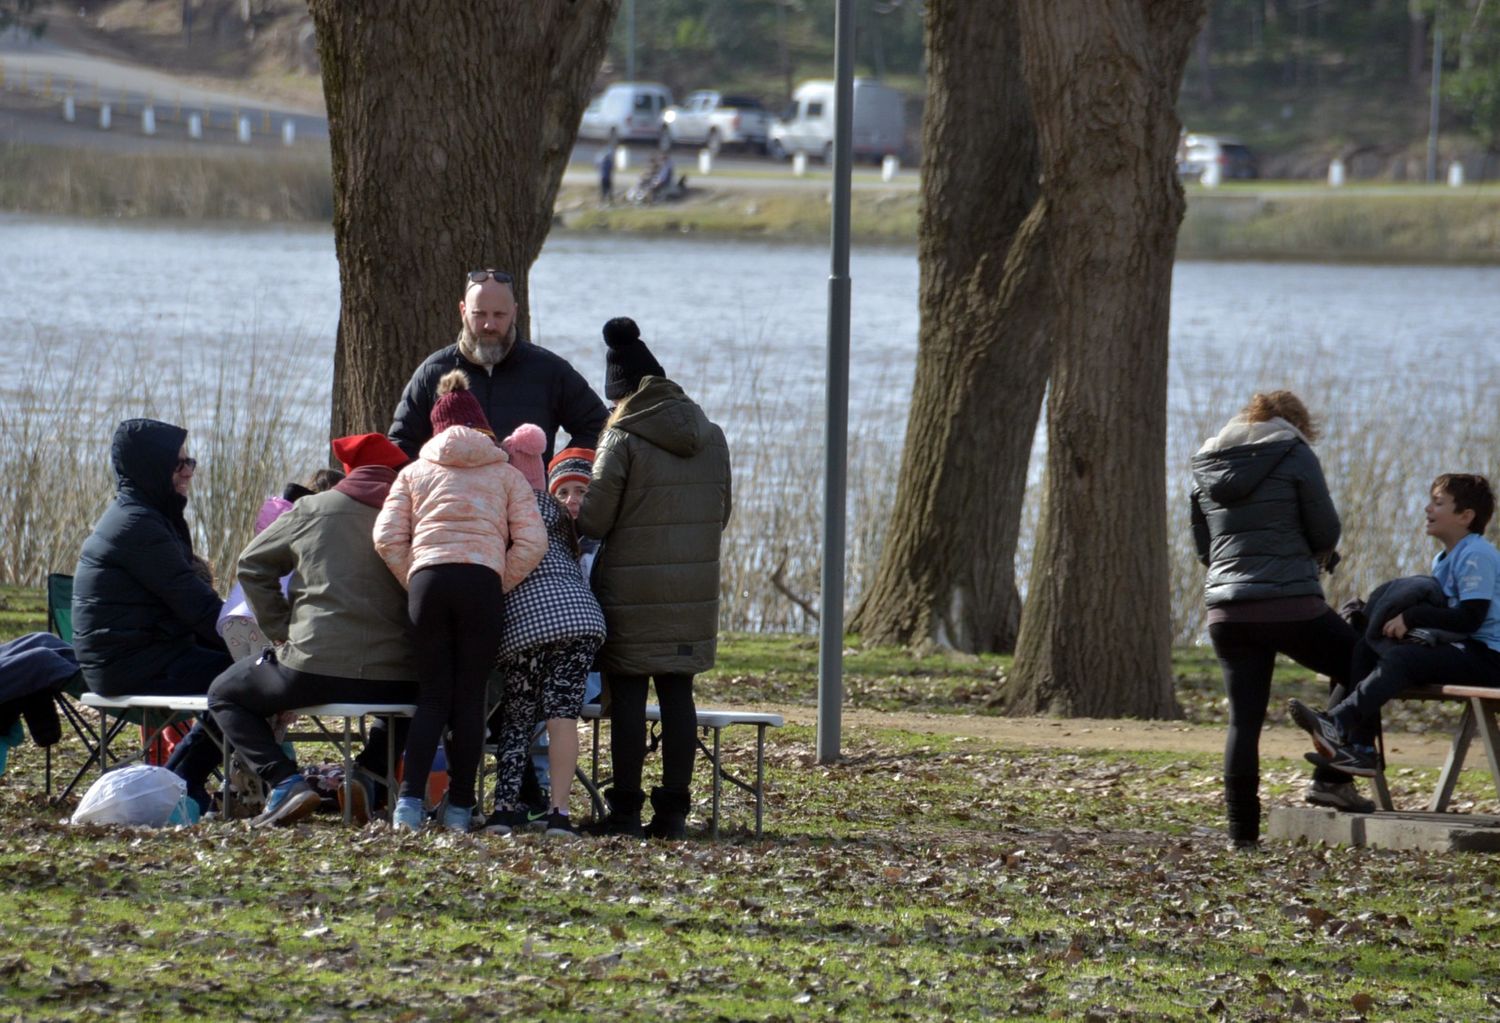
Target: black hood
[1232,474]
[144,455]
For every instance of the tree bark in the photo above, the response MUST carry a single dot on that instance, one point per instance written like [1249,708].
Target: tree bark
[947,567]
[1095,636]
[450,125]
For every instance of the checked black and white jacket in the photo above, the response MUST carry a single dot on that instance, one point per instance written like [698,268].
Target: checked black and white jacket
[554,602]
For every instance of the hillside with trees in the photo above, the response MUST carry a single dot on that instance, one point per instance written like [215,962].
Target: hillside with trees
[1301,81]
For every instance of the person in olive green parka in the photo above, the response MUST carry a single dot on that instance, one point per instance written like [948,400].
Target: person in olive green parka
[659,500]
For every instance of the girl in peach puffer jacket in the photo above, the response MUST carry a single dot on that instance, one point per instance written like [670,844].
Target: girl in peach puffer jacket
[459,528]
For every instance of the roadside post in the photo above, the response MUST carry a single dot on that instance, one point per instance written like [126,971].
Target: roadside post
[836,431]
[70,109]
[799,164]
[104,117]
[195,126]
[148,120]
[889,166]
[244,130]
[288,132]
[1336,173]
[622,158]
[705,162]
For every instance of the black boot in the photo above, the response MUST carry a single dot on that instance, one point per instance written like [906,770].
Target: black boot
[670,819]
[624,813]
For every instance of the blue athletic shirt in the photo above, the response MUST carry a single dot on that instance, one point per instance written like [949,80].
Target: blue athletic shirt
[1471,571]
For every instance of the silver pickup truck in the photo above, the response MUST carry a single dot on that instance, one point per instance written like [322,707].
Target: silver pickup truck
[714,121]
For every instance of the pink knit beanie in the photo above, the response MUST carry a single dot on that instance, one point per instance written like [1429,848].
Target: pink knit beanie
[525,448]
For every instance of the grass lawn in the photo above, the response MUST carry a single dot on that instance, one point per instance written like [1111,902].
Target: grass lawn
[922,878]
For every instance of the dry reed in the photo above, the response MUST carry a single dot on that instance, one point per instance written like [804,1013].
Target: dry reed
[254,426]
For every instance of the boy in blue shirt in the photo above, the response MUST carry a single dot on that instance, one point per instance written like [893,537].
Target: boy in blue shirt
[1468,571]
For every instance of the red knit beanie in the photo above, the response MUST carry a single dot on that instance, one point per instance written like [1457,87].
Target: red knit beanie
[571,465]
[455,406]
[525,448]
[367,449]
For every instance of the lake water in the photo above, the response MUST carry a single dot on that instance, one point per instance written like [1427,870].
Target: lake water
[728,318]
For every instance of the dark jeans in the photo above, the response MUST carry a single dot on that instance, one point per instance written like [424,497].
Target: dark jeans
[627,739]
[456,610]
[243,699]
[1247,654]
[1384,676]
[195,757]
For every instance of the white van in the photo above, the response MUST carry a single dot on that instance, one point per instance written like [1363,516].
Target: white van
[626,112]
[807,124]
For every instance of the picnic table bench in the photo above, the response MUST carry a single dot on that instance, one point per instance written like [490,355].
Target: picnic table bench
[162,710]
[711,724]
[1480,704]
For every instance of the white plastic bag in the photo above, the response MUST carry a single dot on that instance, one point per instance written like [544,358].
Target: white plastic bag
[139,794]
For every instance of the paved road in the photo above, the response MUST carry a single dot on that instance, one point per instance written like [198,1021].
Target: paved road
[42,69]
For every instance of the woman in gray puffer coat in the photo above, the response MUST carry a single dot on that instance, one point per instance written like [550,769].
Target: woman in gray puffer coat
[1265,526]
[659,499]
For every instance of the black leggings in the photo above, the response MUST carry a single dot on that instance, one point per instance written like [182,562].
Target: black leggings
[1247,654]
[627,739]
[456,610]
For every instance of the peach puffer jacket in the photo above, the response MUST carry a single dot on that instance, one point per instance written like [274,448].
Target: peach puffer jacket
[461,503]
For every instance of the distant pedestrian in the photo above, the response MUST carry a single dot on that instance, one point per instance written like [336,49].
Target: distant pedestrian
[1265,526]
[605,161]
[660,499]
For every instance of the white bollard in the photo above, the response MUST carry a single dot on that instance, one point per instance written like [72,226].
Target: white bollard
[705,162]
[622,158]
[104,117]
[889,166]
[1336,173]
[70,109]
[1455,175]
[148,120]
[195,126]
[243,133]
[1212,175]
[799,164]
[288,132]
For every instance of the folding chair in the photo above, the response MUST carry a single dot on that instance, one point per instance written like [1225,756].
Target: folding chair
[60,624]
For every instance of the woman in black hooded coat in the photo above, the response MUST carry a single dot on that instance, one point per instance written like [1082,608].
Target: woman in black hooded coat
[144,611]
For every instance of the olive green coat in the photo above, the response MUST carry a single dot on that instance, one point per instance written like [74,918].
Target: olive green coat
[660,499]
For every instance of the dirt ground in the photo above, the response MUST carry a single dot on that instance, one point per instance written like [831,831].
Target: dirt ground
[1091,733]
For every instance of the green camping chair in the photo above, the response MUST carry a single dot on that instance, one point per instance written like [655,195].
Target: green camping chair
[60,623]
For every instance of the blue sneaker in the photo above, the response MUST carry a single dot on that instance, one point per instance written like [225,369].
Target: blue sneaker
[457,818]
[409,815]
[291,801]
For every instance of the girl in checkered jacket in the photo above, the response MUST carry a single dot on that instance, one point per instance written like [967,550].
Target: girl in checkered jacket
[552,628]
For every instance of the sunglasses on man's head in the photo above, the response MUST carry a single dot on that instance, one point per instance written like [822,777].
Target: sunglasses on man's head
[187,463]
[480,276]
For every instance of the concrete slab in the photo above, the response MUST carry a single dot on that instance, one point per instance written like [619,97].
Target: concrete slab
[1423,832]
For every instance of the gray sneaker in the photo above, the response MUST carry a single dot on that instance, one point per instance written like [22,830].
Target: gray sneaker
[1341,795]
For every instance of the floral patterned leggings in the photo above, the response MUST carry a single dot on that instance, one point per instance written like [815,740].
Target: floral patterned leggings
[541,683]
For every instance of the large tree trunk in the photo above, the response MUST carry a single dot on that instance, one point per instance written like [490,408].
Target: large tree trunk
[1095,636]
[450,125]
[947,569]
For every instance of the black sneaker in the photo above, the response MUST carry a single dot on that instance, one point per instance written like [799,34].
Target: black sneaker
[1325,734]
[504,822]
[1338,796]
[1356,760]
[560,826]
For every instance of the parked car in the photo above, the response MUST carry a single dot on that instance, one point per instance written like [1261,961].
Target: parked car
[1234,159]
[626,112]
[713,121]
[807,124]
